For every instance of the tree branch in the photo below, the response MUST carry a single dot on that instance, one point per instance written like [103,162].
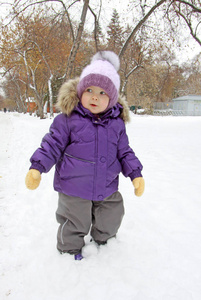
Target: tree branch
[195,8]
[137,27]
[190,27]
[95,27]
[44,1]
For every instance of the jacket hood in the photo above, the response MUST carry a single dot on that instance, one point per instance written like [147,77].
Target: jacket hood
[68,100]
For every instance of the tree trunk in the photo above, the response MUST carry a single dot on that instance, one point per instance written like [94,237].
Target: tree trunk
[50,95]
[76,43]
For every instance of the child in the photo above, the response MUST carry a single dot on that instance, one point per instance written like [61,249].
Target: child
[89,146]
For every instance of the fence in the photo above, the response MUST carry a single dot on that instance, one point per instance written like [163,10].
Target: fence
[166,109]
[163,108]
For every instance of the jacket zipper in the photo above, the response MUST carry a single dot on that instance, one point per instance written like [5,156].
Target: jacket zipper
[84,160]
[96,151]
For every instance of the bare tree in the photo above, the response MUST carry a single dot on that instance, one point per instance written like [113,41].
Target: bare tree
[139,25]
[77,41]
[190,12]
[31,76]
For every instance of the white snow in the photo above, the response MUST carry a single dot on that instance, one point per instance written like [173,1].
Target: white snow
[157,252]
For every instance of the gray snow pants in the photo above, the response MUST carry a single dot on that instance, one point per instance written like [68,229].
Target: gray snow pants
[76,216]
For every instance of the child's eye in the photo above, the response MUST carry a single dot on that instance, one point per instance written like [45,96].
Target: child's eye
[102,93]
[89,90]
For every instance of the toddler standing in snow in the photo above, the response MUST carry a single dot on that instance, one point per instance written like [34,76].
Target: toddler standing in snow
[89,146]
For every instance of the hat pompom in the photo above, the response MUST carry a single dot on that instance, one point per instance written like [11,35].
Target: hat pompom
[109,56]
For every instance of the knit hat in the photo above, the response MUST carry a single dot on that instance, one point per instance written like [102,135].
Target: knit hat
[102,72]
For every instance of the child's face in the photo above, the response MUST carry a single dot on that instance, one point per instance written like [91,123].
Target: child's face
[95,99]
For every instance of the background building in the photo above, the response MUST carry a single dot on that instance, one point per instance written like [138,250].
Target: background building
[187,105]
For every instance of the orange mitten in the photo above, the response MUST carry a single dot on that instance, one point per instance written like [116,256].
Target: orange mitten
[33,179]
[139,184]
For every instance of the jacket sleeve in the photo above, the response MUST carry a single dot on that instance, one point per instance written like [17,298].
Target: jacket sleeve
[131,166]
[52,146]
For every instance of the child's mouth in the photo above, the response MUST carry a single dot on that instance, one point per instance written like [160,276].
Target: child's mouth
[94,105]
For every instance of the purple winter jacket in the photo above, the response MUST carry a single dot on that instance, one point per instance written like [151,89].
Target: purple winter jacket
[89,152]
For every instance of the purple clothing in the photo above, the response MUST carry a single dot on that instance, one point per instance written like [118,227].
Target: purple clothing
[89,153]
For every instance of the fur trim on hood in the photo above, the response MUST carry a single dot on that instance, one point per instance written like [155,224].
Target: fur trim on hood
[68,99]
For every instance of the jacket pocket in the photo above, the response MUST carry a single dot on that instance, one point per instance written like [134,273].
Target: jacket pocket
[80,159]
[76,167]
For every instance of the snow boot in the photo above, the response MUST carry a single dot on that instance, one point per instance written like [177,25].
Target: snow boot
[78,256]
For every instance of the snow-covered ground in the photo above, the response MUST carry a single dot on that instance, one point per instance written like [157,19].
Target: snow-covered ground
[157,253]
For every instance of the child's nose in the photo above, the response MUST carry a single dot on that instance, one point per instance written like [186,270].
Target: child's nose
[94,96]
